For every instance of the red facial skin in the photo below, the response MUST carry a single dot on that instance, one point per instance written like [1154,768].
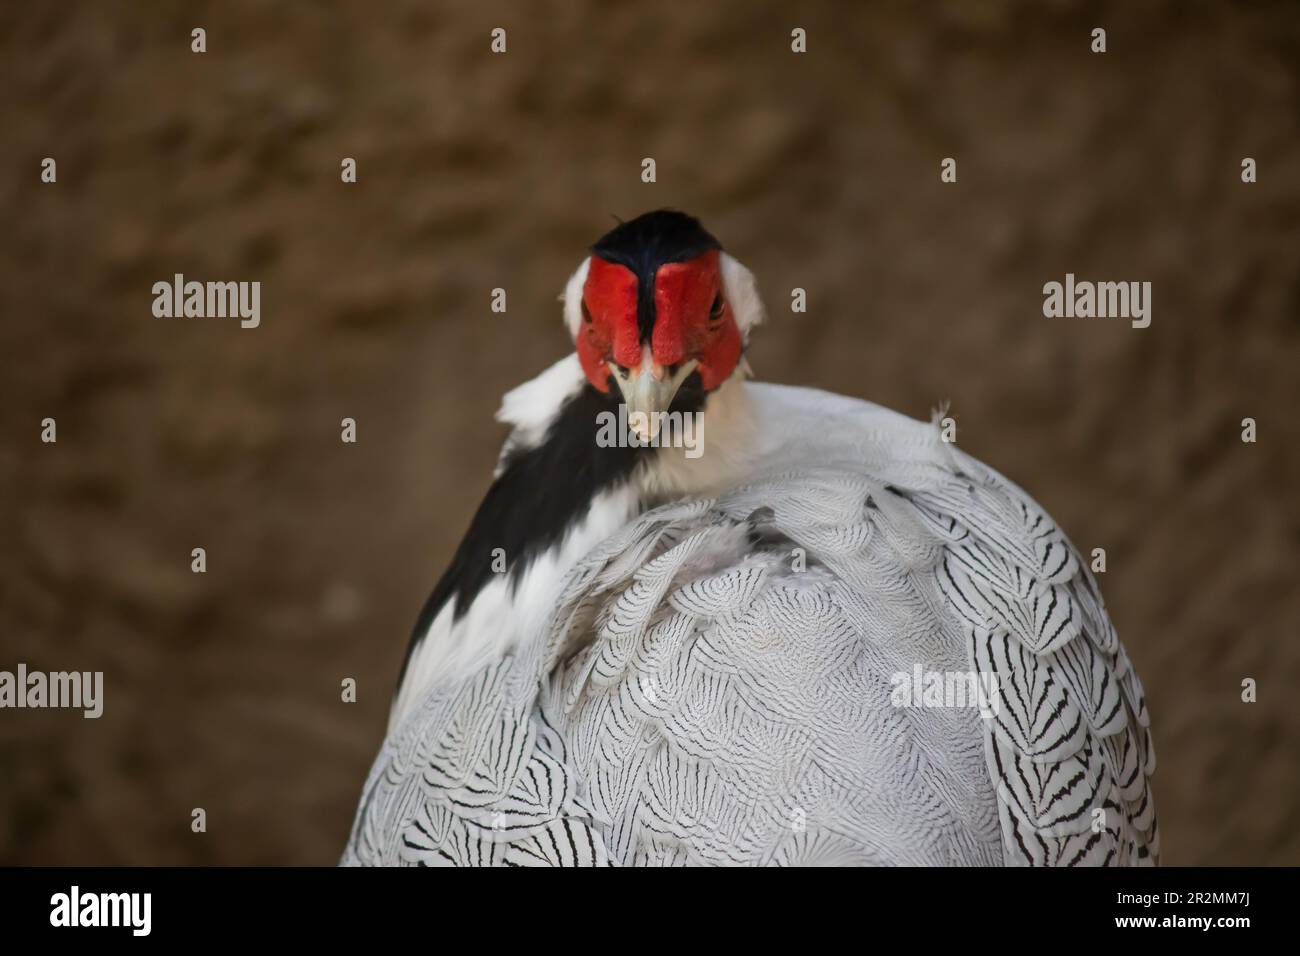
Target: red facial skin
[684,329]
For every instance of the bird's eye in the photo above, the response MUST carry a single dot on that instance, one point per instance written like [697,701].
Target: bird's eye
[715,311]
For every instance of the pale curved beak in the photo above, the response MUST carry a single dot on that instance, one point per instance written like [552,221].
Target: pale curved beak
[649,390]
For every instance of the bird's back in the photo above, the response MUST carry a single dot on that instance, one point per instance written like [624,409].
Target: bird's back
[768,676]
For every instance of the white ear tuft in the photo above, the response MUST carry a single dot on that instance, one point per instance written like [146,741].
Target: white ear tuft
[572,297]
[742,294]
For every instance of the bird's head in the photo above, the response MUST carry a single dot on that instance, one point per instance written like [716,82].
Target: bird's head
[658,304]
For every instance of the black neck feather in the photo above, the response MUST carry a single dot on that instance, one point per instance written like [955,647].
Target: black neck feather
[540,493]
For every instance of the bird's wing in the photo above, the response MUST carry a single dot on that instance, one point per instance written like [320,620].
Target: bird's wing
[720,683]
[1069,746]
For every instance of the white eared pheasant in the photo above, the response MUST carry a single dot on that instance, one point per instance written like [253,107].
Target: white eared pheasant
[742,650]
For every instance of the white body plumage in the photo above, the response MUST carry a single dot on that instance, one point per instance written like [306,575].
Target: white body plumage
[685,696]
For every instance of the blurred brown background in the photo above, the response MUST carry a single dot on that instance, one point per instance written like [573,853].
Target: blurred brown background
[475,170]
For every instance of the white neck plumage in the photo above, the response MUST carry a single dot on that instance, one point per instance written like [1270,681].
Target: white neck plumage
[716,450]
